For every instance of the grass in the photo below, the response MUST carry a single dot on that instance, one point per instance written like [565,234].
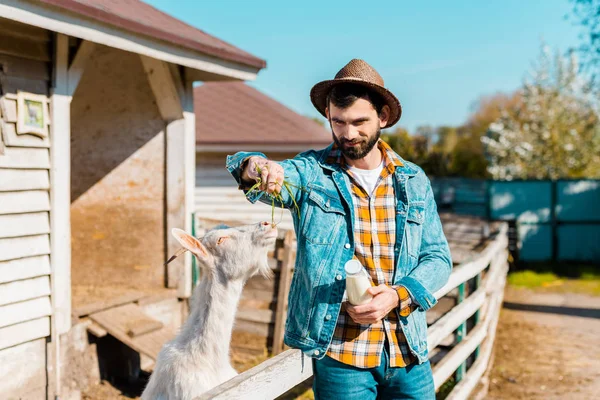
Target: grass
[577,279]
[287,185]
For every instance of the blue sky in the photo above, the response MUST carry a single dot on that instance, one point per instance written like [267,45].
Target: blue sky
[437,58]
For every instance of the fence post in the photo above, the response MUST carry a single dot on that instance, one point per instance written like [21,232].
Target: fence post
[478,312]
[461,332]
[195,271]
[553,219]
[287,263]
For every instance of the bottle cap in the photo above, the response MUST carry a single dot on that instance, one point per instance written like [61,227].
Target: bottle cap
[353,267]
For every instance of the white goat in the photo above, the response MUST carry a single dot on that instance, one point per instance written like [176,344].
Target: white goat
[198,358]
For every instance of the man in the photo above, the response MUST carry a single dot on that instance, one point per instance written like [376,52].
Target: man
[358,199]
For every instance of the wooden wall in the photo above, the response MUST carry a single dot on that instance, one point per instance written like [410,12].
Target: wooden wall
[25,308]
[117,180]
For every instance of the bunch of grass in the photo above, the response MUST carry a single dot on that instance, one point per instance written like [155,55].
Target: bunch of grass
[276,196]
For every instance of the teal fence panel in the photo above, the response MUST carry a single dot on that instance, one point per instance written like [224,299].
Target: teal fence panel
[578,242]
[578,201]
[524,201]
[535,242]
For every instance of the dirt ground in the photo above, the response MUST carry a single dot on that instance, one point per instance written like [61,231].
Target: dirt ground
[547,347]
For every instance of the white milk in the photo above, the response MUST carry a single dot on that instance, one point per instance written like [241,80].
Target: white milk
[357,283]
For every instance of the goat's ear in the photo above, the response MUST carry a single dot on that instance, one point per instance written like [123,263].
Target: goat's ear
[189,242]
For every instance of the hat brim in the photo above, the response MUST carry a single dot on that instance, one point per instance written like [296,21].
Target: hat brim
[319,92]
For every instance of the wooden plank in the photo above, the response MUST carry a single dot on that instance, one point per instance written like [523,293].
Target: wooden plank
[470,269]
[25,48]
[108,303]
[8,109]
[97,330]
[11,138]
[15,225]
[24,68]
[25,311]
[24,332]
[25,31]
[23,368]
[474,374]
[119,320]
[269,379]
[261,316]
[24,268]
[14,292]
[26,179]
[13,248]
[288,260]
[60,195]
[449,322]
[13,84]
[257,328]
[141,327]
[25,158]
[25,201]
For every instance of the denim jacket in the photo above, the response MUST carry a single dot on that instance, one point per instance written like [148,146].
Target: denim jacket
[325,235]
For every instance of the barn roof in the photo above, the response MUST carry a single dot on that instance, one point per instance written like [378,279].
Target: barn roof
[138,17]
[235,113]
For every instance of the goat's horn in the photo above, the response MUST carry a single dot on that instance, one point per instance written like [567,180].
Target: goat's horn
[177,254]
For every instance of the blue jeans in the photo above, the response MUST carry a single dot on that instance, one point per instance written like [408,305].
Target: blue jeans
[334,380]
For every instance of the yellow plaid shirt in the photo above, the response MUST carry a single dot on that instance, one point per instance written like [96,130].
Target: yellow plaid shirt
[375,236]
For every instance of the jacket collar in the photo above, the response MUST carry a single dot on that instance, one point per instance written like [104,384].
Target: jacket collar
[327,160]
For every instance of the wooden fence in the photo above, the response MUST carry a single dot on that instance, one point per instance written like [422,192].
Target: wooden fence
[478,286]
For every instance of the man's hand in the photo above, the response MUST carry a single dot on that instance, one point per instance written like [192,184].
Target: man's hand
[270,175]
[385,299]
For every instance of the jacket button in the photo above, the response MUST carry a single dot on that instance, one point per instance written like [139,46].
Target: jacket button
[338,277]
[347,245]
[317,352]
[327,317]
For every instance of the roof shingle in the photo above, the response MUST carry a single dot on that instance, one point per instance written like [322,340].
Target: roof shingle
[233,112]
[139,17]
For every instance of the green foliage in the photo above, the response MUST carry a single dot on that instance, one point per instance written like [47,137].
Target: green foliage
[555,133]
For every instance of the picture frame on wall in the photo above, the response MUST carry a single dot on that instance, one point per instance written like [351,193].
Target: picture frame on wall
[32,114]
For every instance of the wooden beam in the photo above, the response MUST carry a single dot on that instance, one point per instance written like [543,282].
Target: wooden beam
[180,175]
[55,20]
[164,88]
[285,277]
[75,72]
[60,181]
[271,378]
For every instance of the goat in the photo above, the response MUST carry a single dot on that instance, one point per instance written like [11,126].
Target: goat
[198,358]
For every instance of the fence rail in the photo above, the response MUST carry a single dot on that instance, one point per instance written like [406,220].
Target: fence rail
[283,372]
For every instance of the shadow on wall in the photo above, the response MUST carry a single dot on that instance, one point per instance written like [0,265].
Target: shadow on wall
[113,115]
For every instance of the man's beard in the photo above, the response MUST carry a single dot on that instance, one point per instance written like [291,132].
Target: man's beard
[359,151]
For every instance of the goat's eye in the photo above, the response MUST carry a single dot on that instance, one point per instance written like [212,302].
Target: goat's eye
[222,239]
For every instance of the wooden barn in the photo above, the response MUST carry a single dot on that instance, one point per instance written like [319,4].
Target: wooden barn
[232,116]
[97,164]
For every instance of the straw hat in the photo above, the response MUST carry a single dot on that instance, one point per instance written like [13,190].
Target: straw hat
[360,73]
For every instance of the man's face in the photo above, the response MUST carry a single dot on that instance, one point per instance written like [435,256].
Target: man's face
[355,129]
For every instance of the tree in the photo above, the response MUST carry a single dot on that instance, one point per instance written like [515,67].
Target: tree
[587,15]
[556,132]
[401,142]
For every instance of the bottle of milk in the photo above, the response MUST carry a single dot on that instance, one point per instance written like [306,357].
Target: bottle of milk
[357,283]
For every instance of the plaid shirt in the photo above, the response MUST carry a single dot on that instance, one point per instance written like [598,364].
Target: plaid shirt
[375,237]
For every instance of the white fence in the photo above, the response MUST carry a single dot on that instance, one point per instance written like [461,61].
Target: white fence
[290,368]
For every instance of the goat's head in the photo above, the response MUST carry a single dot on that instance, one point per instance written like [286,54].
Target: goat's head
[231,253]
